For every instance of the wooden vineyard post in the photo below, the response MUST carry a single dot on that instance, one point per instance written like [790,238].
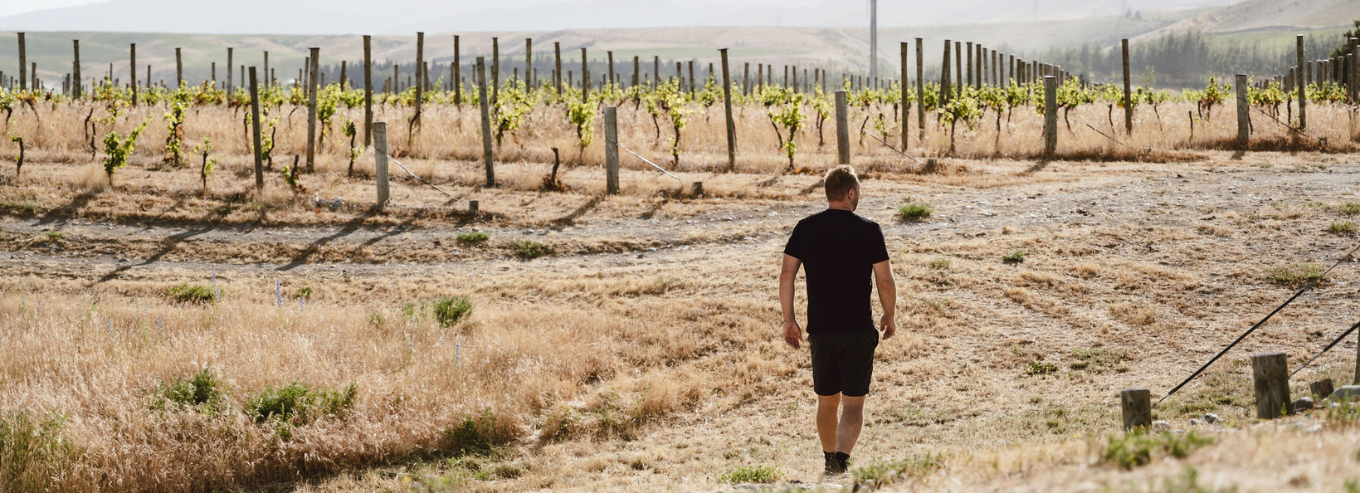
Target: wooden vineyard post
[473,208]
[495,70]
[610,56]
[1270,371]
[842,129]
[75,70]
[311,108]
[229,66]
[1128,94]
[611,150]
[380,161]
[420,80]
[557,75]
[727,107]
[486,122]
[529,62]
[656,71]
[1050,115]
[23,63]
[1303,96]
[132,53]
[1354,81]
[1137,407]
[457,73]
[637,66]
[970,64]
[692,90]
[746,79]
[906,110]
[268,74]
[368,90]
[255,130]
[1243,106]
[945,90]
[585,77]
[179,69]
[920,91]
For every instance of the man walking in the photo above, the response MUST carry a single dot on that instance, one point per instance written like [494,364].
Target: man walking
[839,250]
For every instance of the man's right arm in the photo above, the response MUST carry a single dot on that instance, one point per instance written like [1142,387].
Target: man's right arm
[787,276]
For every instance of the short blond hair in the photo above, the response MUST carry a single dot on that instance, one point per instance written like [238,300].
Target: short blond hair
[839,181]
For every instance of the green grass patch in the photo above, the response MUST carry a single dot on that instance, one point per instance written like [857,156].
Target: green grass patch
[751,474]
[1350,209]
[940,264]
[299,404]
[1344,414]
[1040,368]
[1096,360]
[191,293]
[1015,257]
[1295,274]
[915,211]
[450,309]
[529,250]
[881,473]
[34,455]
[203,391]
[480,433]
[1138,447]
[473,238]
[1342,228]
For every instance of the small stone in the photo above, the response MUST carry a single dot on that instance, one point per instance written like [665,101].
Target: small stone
[653,249]
[1303,404]
[639,255]
[123,260]
[1194,422]
[1348,392]
[1211,418]
[1160,426]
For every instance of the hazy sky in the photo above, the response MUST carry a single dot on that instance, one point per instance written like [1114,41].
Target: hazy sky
[11,7]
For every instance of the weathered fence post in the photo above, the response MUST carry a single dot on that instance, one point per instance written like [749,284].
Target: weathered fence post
[557,75]
[969,72]
[585,77]
[746,79]
[312,70]
[368,90]
[727,107]
[1050,115]
[486,122]
[1137,407]
[421,76]
[529,62]
[1303,96]
[842,129]
[1128,92]
[1270,371]
[1322,388]
[23,63]
[268,74]
[495,70]
[229,66]
[945,90]
[611,150]
[610,56]
[1243,116]
[179,69]
[473,208]
[921,91]
[637,67]
[75,70]
[255,130]
[380,161]
[132,74]
[906,110]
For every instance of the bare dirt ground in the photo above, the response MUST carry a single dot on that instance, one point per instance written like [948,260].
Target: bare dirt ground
[1134,274]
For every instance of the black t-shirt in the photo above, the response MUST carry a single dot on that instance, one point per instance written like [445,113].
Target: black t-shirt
[838,249]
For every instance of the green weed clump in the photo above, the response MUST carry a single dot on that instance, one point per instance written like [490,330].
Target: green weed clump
[450,309]
[881,473]
[1137,447]
[299,404]
[480,433]
[203,390]
[1040,368]
[915,211]
[1295,274]
[191,293]
[1014,257]
[1350,209]
[751,474]
[34,456]
[1342,228]
[474,238]
[529,250]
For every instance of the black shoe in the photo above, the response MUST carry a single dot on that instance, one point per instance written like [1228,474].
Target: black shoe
[833,467]
[842,461]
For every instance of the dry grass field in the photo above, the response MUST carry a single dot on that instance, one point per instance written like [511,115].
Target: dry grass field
[158,338]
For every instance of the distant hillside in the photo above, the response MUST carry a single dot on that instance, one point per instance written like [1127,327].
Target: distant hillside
[1270,16]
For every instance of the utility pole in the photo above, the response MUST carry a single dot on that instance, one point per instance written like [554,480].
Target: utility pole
[873,39]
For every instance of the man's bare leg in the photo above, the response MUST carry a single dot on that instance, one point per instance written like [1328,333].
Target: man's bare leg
[827,407]
[852,419]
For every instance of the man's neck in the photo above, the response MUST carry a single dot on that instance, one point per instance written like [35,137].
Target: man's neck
[840,206]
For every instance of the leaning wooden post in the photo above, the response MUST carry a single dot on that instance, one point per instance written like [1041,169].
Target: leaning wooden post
[842,129]
[611,150]
[727,106]
[906,110]
[312,70]
[132,53]
[1243,117]
[1050,115]
[1137,407]
[420,79]
[23,63]
[368,90]
[1270,371]
[255,130]
[1303,88]
[380,161]
[1128,92]
[920,90]
[75,70]
[486,123]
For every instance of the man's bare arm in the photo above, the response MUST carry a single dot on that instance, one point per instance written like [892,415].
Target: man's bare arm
[787,275]
[887,296]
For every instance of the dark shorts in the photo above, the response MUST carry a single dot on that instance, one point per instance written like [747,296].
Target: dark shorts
[843,363]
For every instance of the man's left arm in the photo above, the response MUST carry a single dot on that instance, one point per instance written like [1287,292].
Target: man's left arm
[887,296]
